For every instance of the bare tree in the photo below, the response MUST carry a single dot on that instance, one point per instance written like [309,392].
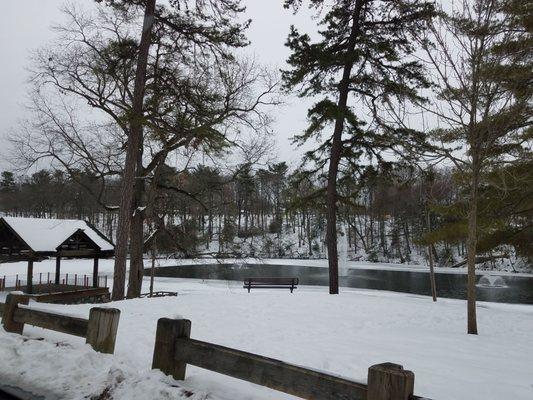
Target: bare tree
[192,100]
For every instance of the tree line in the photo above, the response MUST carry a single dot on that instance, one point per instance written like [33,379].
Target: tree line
[389,215]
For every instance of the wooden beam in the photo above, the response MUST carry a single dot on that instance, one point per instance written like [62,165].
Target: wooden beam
[29,278]
[71,295]
[57,322]
[78,253]
[95,272]
[275,374]
[58,269]
[20,258]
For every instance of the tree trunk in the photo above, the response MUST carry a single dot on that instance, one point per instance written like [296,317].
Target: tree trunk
[309,238]
[132,156]
[136,255]
[471,243]
[154,255]
[136,234]
[407,234]
[431,264]
[335,157]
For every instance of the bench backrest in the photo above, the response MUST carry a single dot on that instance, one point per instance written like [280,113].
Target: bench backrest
[271,281]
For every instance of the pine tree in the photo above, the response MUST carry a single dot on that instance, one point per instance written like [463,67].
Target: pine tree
[193,86]
[7,184]
[360,63]
[482,62]
[207,25]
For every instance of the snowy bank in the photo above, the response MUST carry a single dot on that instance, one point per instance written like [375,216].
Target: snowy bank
[59,370]
[106,266]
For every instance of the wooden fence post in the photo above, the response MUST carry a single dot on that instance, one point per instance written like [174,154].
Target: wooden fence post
[102,329]
[168,330]
[12,302]
[390,381]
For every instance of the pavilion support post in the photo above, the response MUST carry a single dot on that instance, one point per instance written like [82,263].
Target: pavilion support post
[29,278]
[95,272]
[58,269]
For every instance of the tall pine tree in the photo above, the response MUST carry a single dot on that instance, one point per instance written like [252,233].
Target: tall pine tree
[208,26]
[360,65]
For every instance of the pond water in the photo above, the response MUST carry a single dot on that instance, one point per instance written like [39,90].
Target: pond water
[491,286]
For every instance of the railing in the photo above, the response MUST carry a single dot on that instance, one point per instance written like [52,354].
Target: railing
[100,330]
[174,349]
[49,278]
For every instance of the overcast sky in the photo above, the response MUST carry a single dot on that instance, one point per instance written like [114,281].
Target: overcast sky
[25,25]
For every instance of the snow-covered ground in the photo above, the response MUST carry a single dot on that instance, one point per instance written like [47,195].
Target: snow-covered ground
[342,334]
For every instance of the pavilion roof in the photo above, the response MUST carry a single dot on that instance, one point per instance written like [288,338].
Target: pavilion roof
[44,235]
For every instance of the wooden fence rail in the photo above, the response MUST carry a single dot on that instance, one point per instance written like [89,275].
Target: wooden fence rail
[56,322]
[174,349]
[51,280]
[100,330]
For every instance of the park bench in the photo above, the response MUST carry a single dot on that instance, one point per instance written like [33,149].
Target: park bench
[270,283]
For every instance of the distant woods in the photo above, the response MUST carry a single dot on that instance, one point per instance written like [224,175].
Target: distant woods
[274,212]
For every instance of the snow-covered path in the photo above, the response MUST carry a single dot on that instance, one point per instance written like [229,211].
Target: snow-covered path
[342,334]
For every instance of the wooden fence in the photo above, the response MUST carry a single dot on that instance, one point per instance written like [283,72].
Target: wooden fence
[174,349]
[100,330]
[16,282]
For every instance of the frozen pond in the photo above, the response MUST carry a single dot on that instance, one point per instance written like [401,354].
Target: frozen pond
[491,286]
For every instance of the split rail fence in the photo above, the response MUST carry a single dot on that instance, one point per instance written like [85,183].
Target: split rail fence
[174,349]
[100,330]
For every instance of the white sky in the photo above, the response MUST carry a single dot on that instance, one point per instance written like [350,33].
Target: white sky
[25,25]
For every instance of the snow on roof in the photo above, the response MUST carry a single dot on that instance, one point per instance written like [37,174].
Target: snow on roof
[43,234]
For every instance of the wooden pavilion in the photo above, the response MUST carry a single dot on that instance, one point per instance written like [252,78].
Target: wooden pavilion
[36,239]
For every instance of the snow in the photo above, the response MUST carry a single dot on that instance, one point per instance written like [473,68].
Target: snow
[43,234]
[343,334]
[61,370]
